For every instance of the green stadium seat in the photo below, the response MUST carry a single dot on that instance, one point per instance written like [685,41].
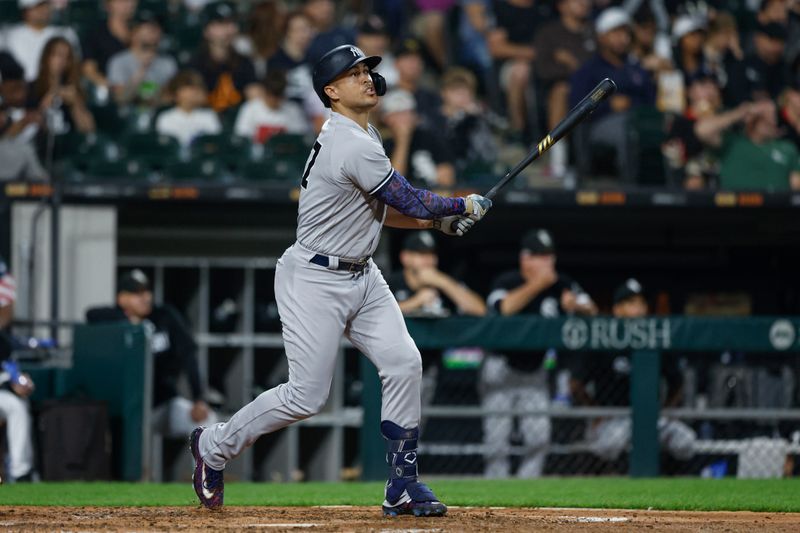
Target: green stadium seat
[153,149]
[232,151]
[272,169]
[195,170]
[287,145]
[119,169]
[647,133]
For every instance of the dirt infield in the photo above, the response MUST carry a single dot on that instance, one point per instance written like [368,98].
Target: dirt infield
[369,519]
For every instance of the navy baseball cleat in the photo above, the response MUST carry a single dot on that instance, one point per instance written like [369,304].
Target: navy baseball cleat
[208,483]
[404,493]
[417,499]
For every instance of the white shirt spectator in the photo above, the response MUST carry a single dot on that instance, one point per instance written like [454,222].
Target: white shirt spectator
[26,44]
[185,126]
[256,120]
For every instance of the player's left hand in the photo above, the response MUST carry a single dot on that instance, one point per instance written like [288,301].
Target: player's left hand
[476,206]
[455,225]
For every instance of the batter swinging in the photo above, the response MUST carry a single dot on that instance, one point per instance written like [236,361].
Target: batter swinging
[326,286]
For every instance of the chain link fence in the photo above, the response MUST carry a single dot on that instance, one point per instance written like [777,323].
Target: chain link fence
[530,414]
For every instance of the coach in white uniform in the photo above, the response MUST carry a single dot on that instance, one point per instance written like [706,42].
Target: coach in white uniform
[327,286]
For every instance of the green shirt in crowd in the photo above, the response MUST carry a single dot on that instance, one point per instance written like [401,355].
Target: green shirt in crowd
[765,167]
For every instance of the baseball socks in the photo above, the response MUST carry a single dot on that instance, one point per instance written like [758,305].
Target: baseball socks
[405,494]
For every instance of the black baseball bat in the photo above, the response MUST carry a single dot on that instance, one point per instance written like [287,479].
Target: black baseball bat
[576,115]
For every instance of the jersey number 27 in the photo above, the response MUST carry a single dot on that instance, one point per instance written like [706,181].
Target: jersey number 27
[314,154]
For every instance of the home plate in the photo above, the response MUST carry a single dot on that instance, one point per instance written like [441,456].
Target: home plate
[594,519]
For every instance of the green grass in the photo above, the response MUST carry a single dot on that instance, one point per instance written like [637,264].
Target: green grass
[673,493]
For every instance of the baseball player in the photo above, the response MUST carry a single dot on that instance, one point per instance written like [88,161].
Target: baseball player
[327,286]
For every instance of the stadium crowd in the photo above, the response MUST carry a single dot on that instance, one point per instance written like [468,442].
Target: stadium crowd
[709,92]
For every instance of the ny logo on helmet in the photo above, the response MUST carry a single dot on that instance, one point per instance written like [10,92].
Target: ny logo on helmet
[356,51]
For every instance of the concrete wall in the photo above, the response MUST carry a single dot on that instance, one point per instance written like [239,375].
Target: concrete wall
[88,251]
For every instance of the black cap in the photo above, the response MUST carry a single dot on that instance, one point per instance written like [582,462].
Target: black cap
[217,11]
[773,30]
[538,242]
[627,290]
[407,46]
[420,241]
[146,16]
[10,69]
[372,25]
[133,281]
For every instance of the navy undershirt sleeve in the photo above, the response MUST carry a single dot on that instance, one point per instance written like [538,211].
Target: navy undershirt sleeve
[397,192]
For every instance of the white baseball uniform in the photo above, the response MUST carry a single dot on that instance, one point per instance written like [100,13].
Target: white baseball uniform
[338,220]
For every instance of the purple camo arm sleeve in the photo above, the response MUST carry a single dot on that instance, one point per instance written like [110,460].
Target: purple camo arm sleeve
[417,203]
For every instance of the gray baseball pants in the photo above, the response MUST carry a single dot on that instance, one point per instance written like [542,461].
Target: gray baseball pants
[318,305]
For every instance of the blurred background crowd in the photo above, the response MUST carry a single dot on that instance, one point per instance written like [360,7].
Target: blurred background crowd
[709,92]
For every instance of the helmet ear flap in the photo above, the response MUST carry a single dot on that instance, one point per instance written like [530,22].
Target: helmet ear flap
[379,82]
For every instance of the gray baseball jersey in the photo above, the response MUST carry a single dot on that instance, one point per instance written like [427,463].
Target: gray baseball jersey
[337,214]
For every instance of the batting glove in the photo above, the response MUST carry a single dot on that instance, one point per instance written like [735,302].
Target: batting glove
[476,206]
[455,225]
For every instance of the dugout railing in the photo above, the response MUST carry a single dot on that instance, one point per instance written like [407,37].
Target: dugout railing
[644,339]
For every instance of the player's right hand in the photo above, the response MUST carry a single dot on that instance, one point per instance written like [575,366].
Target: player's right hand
[476,206]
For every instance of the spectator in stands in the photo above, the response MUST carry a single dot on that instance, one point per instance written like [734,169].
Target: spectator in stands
[410,69]
[112,37]
[229,76]
[25,40]
[328,34]
[511,46]
[695,161]
[562,45]
[519,381]
[603,380]
[173,349]
[723,51]
[421,289]
[762,74]
[18,126]
[466,129]
[609,123]
[416,153]
[773,11]
[191,116]
[262,37]
[651,46]
[261,118]
[758,159]
[790,114]
[433,27]
[292,58]
[689,33]
[15,387]
[139,74]
[474,23]
[373,40]
[57,90]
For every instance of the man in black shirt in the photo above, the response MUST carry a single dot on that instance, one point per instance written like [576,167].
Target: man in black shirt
[520,380]
[421,289]
[229,76]
[111,37]
[172,347]
[610,376]
[762,74]
[415,151]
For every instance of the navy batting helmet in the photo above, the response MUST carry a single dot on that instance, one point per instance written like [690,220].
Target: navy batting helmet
[339,60]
